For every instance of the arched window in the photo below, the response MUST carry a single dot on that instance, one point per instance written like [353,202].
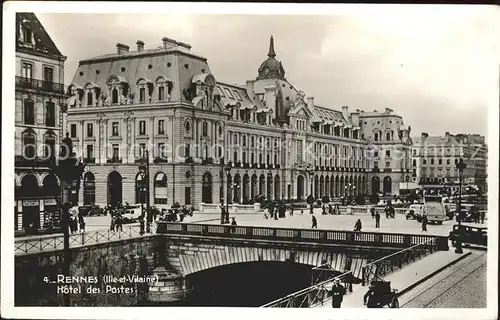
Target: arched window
[388,136]
[140,189]
[160,185]
[51,186]
[29,186]
[376,136]
[50,145]
[29,144]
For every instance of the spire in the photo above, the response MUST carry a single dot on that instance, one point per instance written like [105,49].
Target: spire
[271,48]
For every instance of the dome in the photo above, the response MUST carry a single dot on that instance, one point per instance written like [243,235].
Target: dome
[271,68]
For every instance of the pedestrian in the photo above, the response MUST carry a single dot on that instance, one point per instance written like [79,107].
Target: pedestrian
[291,211]
[314,223]
[372,210]
[119,222]
[386,212]
[338,292]
[424,223]
[141,225]
[483,216]
[311,209]
[377,219]
[81,222]
[233,224]
[323,209]
[330,209]
[113,220]
[392,212]
[358,226]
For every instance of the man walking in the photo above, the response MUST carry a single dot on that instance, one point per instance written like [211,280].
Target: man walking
[314,223]
[424,223]
[483,216]
[338,292]
[372,211]
[377,219]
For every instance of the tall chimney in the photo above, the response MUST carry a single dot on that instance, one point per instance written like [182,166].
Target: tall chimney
[121,48]
[140,45]
[310,103]
[345,112]
[169,43]
[355,119]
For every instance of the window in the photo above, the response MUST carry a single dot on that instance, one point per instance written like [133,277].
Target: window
[204,129]
[229,94]
[432,160]
[142,94]
[221,92]
[375,154]
[237,95]
[414,152]
[244,140]
[414,162]
[275,159]
[90,151]
[90,130]
[387,153]
[27,34]
[235,156]
[187,126]
[387,164]
[27,70]
[376,136]
[388,136]
[73,130]
[29,112]
[161,93]
[252,158]
[29,144]
[260,157]
[235,139]
[142,128]
[114,96]
[48,74]
[268,159]
[114,131]
[375,165]
[161,150]
[187,150]
[440,161]
[161,126]
[448,162]
[244,157]
[50,114]
[252,142]
[116,151]
[142,150]
[424,161]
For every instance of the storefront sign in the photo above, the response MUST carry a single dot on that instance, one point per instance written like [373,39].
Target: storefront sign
[50,202]
[31,203]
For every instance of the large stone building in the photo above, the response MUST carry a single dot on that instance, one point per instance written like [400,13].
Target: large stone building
[434,160]
[278,142]
[40,98]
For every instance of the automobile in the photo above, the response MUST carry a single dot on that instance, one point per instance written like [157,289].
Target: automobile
[416,211]
[469,235]
[130,214]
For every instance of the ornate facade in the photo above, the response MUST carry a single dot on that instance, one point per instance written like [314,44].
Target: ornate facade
[40,100]
[278,142]
[434,160]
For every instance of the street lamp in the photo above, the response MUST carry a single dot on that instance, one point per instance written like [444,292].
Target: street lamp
[461,165]
[349,188]
[144,172]
[69,169]
[225,216]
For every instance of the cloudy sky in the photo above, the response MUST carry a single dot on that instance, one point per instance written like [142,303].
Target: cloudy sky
[437,68]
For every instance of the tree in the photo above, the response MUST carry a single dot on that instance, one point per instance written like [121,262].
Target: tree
[310,199]
[325,199]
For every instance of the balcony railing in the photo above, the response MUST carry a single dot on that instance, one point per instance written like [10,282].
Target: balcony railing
[114,160]
[39,84]
[21,161]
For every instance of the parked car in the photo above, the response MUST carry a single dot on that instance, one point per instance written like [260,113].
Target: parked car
[469,235]
[416,211]
[130,214]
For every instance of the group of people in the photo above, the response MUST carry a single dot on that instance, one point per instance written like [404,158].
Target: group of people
[75,221]
[330,208]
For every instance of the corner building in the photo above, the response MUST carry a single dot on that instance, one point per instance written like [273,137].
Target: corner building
[40,102]
[279,143]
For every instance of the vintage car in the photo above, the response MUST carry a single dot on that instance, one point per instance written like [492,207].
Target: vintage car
[469,235]
[381,294]
[416,211]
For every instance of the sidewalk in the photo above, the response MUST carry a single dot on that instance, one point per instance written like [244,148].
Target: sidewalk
[402,278]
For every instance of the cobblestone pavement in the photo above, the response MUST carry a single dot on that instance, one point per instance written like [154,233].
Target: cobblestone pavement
[463,285]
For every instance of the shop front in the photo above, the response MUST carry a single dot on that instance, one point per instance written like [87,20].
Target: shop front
[51,214]
[31,216]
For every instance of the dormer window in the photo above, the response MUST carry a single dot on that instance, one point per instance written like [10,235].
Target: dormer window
[388,136]
[163,87]
[114,96]
[89,98]
[376,136]
[142,94]
[27,34]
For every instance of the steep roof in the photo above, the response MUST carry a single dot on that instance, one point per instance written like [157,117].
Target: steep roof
[42,43]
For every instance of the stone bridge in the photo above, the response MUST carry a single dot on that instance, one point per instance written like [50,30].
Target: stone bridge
[179,250]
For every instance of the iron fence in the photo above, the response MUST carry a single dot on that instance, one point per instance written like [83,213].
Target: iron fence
[56,242]
[314,295]
[377,269]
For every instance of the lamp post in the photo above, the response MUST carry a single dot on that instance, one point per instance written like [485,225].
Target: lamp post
[144,171]
[461,165]
[227,169]
[349,188]
[69,169]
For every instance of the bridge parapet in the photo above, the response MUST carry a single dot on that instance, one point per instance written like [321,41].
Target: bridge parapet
[339,237]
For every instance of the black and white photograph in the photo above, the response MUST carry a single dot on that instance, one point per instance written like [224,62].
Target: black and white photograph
[249,156]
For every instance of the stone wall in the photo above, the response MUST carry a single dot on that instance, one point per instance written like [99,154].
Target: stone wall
[34,272]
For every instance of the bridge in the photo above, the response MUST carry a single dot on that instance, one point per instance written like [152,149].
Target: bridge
[179,250]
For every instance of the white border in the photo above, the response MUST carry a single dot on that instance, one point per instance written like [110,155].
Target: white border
[7,262]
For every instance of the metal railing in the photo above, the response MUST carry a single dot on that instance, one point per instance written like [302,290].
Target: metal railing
[40,84]
[377,269]
[316,236]
[56,242]
[313,295]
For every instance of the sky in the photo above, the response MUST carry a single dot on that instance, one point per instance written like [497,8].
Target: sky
[437,68]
